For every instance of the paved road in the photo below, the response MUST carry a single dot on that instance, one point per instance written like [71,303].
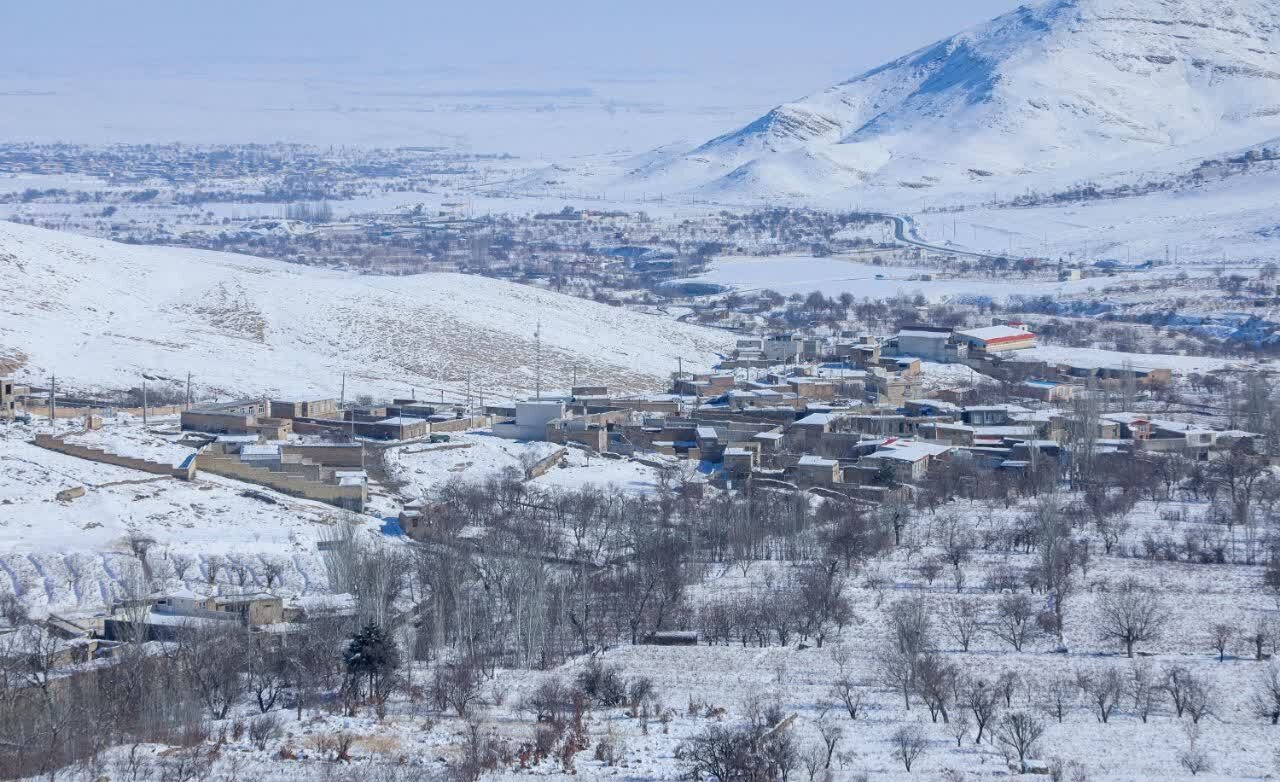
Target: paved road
[905,232]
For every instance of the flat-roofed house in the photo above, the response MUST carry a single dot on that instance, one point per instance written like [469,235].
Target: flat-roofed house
[910,459]
[924,342]
[8,398]
[311,408]
[997,339]
[1048,391]
[818,470]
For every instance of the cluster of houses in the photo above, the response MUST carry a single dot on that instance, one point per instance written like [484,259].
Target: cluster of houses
[849,412]
[250,440]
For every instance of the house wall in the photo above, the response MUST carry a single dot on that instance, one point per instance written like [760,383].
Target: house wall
[8,405]
[350,497]
[330,455]
[928,348]
[597,439]
[219,423]
[462,424]
[79,412]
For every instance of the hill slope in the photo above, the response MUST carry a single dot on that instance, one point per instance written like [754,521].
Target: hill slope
[1073,87]
[102,314]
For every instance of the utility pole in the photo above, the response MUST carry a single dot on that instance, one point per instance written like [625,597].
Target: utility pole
[342,395]
[188,390]
[53,398]
[144,403]
[537,348]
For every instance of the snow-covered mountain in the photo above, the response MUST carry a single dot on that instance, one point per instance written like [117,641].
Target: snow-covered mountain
[1060,89]
[103,314]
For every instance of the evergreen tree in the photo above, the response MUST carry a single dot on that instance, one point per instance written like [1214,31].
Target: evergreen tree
[371,655]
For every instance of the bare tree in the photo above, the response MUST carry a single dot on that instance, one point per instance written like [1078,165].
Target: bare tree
[1266,692]
[1261,632]
[140,545]
[935,682]
[910,625]
[1194,759]
[1184,688]
[458,685]
[831,733]
[210,656]
[1014,622]
[845,689]
[1018,733]
[960,726]
[982,701]
[1220,635]
[908,743]
[273,569]
[1200,700]
[1104,690]
[962,621]
[1130,615]
[1142,688]
[266,675]
[181,563]
[1057,695]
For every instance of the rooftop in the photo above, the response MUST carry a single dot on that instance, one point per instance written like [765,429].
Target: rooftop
[816,461]
[996,334]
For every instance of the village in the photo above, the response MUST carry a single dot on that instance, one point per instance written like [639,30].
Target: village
[846,417]
[830,466]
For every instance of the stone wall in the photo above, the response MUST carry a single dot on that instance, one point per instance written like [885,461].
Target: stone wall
[544,465]
[461,424]
[185,471]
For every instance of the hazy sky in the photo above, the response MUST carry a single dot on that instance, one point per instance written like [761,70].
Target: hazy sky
[549,77]
[816,36]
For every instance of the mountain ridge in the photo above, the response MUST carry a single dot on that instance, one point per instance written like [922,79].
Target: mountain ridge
[1066,84]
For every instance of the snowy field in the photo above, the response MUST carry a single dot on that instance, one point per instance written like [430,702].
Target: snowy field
[101,314]
[472,457]
[425,468]
[1231,222]
[803,274]
[1094,357]
[124,435]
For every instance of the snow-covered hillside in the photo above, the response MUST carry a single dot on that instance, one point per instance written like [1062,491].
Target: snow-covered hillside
[104,314]
[1066,87]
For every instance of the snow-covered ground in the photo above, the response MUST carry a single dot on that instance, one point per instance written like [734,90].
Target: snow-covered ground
[98,313]
[70,555]
[473,457]
[580,469]
[1231,222]
[124,435]
[1094,357]
[424,468]
[803,274]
